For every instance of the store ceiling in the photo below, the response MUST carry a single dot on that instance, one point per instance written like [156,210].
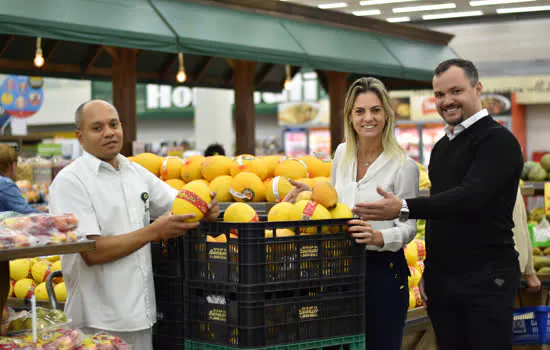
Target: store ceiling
[403,11]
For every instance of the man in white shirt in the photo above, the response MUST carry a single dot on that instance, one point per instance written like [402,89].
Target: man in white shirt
[112,288]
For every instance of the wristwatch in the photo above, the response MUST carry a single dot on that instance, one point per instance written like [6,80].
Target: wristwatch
[404,212]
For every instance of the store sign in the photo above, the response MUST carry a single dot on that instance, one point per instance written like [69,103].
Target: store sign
[529,89]
[50,149]
[166,96]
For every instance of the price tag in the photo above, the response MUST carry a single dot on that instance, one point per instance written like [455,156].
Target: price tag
[547,198]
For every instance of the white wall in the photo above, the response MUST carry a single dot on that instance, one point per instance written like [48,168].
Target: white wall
[170,130]
[538,128]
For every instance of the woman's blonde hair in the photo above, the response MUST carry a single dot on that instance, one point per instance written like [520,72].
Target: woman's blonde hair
[389,142]
[8,156]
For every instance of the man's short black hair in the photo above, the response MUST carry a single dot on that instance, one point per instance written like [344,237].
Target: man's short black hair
[467,66]
[214,150]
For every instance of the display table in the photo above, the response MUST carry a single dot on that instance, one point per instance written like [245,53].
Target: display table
[18,253]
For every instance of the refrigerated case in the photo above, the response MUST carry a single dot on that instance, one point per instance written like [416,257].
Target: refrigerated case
[299,142]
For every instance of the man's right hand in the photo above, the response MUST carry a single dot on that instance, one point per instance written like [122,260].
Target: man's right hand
[170,226]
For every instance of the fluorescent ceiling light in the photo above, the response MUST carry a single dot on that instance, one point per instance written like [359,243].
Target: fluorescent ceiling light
[336,5]
[398,19]
[447,6]
[367,13]
[495,2]
[523,9]
[453,15]
[382,2]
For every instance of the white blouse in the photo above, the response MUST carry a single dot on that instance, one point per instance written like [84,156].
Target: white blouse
[392,175]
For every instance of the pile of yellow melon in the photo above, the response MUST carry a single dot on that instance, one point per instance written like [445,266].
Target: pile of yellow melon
[28,277]
[245,178]
[415,254]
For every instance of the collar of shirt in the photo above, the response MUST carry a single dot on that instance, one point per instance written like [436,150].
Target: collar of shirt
[96,163]
[465,124]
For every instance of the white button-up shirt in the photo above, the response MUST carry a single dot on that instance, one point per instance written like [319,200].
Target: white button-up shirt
[119,295]
[392,175]
[465,124]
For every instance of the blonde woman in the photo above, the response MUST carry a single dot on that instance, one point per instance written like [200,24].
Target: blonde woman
[372,158]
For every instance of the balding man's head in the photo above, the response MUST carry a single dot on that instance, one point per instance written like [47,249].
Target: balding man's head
[79,113]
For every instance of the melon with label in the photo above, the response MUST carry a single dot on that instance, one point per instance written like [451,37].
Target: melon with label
[192,198]
[309,210]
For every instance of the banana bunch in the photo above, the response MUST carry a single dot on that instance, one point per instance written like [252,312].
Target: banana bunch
[424,180]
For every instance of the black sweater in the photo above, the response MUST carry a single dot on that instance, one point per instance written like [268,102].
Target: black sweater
[474,186]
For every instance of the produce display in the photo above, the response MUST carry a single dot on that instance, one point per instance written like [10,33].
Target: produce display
[415,254]
[537,171]
[28,277]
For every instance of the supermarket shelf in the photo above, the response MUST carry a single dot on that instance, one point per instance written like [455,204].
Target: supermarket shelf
[17,303]
[56,249]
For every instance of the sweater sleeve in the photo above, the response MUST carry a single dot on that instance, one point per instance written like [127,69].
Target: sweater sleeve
[497,163]
[406,186]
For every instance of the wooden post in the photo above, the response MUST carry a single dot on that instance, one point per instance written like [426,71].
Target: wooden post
[245,120]
[124,92]
[337,88]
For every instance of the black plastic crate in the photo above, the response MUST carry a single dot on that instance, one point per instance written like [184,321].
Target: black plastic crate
[319,249]
[169,295]
[250,317]
[167,257]
[168,335]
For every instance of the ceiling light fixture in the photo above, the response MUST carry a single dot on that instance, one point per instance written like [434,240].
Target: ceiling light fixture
[181,76]
[523,9]
[367,13]
[38,57]
[447,6]
[288,79]
[382,2]
[398,19]
[496,2]
[336,5]
[453,15]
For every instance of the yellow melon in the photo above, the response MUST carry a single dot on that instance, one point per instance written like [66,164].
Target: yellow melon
[41,270]
[340,211]
[215,166]
[20,269]
[251,165]
[60,291]
[277,188]
[309,210]
[240,212]
[308,181]
[280,212]
[40,292]
[270,163]
[280,232]
[314,165]
[320,179]
[303,196]
[221,186]
[149,161]
[192,198]
[191,168]
[247,187]
[325,194]
[24,289]
[291,168]
[175,183]
[325,170]
[171,168]
[415,276]
[411,254]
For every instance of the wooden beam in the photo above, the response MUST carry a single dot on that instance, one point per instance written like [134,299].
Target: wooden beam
[263,73]
[113,52]
[243,80]
[49,53]
[124,94]
[202,69]
[166,65]
[91,58]
[337,86]
[337,19]
[6,43]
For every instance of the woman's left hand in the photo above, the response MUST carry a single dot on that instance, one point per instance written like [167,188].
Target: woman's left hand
[364,234]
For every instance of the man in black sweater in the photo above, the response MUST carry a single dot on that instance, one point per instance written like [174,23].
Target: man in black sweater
[471,271]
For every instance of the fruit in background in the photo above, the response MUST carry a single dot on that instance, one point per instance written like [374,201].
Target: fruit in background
[308,181]
[60,291]
[544,270]
[280,212]
[303,196]
[192,198]
[149,161]
[280,232]
[221,238]
[10,293]
[326,168]
[215,166]
[526,168]
[53,258]
[171,168]
[320,179]
[545,162]
[412,299]
[240,212]
[65,222]
[270,163]
[420,266]
[535,214]
[251,165]
[24,289]
[41,270]
[191,168]
[211,239]
[247,187]
[309,210]
[411,254]
[417,296]
[537,251]
[221,186]
[537,173]
[277,188]
[340,211]
[20,269]
[546,251]
[541,261]
[424,178]
[420,249]
[325,194]
[40,292]
[291,168]
[314,165]
[175,183]
[415,276]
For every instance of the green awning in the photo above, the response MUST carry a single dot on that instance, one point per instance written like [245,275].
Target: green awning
[123,23]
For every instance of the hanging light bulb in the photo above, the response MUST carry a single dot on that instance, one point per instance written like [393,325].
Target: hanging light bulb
[181,77]
[38,57]
[288,81]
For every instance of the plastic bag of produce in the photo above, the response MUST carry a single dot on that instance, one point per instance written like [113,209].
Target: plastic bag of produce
[541,234]
[16,239]
[104,341]
[46,320]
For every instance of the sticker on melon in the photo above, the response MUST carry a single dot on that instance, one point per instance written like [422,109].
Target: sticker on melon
[192,198]
[421,247]
[309,210]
